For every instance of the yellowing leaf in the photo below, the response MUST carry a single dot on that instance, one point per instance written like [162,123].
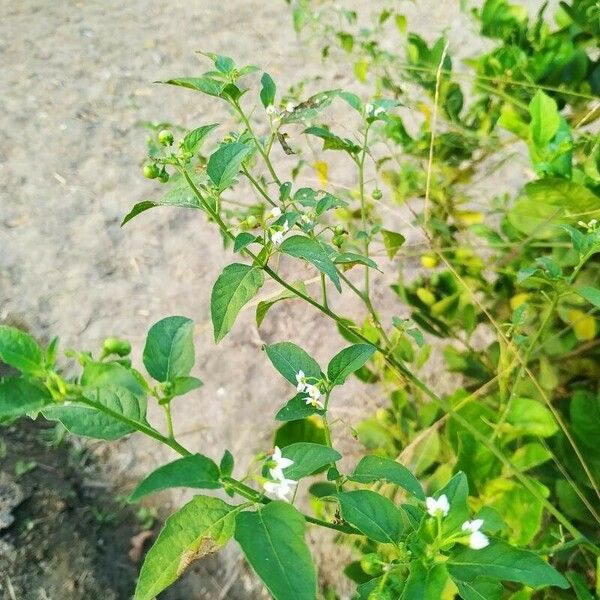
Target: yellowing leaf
[322,170]
[519,299]
[584,326]
[468,217]
[361,69]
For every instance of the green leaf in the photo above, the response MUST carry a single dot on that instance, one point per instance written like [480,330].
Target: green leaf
[18,397]
[206,85]
[184,385]
[310,250]
[169,351]
[479,589]
[237,284]
[591,294]
[303,430]
[242,240]
[552,201]
[376,468]
[507,563]
[545,119]
[348,361]
[224,165]
[530,417]
[310,108]
[308,458]
[350,258]
[179,193]
[424,582]
[267,91]
[529,456]
[106,413]
[372,514]
[195,471]
[457,492]
[264,306]
[226,464]
[392,241]
[297,409]
[137,209]
[272,539]
[201,527]
[288,359]
[193,140]
[99,374]
[332,141]
[19,350]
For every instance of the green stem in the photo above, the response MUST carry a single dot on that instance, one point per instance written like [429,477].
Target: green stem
[324,290]
[406,374]
[257,143]
[169,421]
[257,186]
[523,365]
[363,202]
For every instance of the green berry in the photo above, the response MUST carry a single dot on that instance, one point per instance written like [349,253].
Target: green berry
[371,564]
[116,346]
[151,171]
[163,176]
[337,240]
[376,194]
[165,137]
[251,221]
[339,230]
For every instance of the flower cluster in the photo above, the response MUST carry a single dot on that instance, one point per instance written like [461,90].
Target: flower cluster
[313,391]
[277,235]
[440,507]
[280,487]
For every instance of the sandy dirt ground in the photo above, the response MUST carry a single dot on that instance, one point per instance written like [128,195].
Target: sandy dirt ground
[76,79]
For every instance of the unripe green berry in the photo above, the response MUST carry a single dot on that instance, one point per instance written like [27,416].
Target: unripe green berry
[116,346]
[165,137]
[337,241]
[251,221]
[163,177]
[371,564]
[339,230]
[376,194]
[151,171]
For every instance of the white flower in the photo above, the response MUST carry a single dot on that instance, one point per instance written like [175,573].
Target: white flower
[290,106]
[368,108]
[280,463]
[301,381]
[378,111]
[314,395]
[305,219]
[281,489]
[277,237]
[441,506]
[286,227]
[274,213]
[477,539]
[271,110]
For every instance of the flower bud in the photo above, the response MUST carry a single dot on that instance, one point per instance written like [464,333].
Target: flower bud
[376,194]
[165,137]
